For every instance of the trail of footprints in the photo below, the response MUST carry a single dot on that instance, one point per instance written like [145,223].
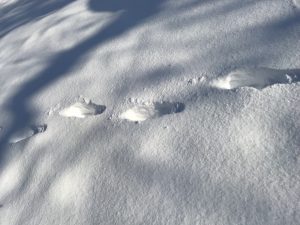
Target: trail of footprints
[258,78]
[86,108]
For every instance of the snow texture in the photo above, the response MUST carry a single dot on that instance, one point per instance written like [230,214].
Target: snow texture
[151,110]
[297,3]
[26,133]
[82,109]
[258,78]
[213,84]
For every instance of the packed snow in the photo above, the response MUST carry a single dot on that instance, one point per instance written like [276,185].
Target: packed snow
[82,109]
[258,78]
[192,115]
[151,110]
[26,133]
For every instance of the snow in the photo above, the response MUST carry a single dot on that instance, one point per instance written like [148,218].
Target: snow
[258,78]
[82,109]
[297,3]
[151,110]
[26,133]
[7,2]
[192,117]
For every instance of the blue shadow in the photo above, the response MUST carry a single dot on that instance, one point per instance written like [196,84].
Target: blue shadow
[133,12]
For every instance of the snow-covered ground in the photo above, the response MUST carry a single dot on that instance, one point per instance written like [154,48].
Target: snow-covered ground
[150,112]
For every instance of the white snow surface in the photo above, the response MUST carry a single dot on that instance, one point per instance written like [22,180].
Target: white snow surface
[258,78]
[151,110]
[82,109]
[216,84]
[26,133]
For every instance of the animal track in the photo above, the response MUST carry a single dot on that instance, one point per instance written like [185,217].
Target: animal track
[52,110]
[27,133]
[258,78]
[152,110]
[82,109]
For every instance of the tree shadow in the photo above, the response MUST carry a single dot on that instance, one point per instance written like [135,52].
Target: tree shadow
[22,12]
[133,12]
[187,185]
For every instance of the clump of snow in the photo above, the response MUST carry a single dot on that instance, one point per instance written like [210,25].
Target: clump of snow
[141,113]
[82,109]
[258,78]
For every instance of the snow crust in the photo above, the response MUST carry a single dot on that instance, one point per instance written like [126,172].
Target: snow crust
[213,85]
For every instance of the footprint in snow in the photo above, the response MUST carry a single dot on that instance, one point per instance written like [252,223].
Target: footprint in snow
[258,78]
[26,133]
[152,110]
[82,109]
